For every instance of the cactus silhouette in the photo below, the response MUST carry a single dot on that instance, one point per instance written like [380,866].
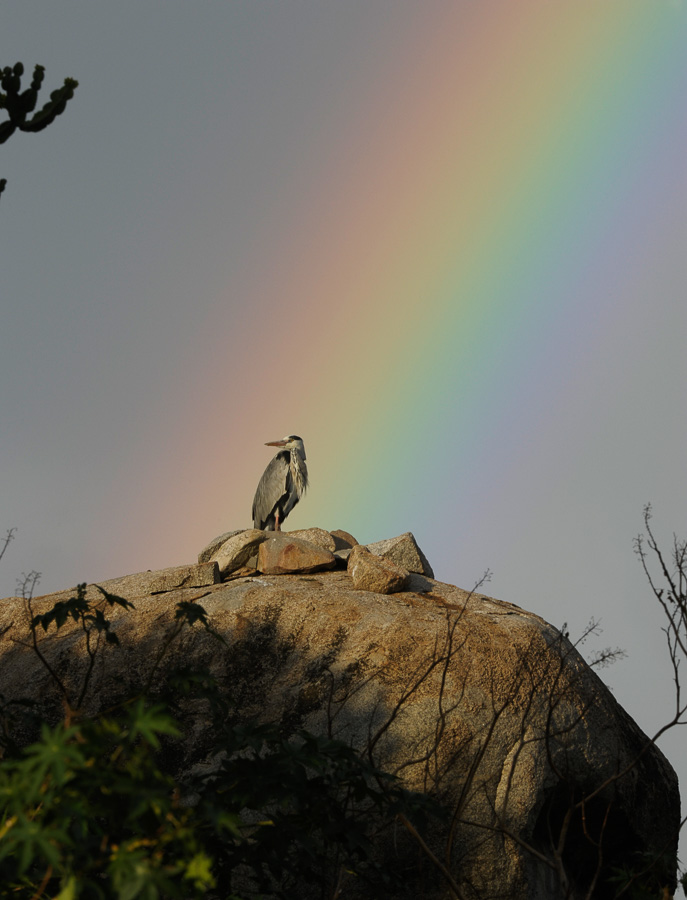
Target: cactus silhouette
[19,104]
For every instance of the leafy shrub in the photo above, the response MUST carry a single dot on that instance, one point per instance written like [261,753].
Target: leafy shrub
[92,810]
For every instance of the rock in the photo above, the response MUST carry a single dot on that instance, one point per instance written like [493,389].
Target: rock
[374,573]
[471,698]
[404,551]
[235,552]
[317,536]
[344,540]
[191,576]
[145,584]
[207,552]
[283,554]
[341,557]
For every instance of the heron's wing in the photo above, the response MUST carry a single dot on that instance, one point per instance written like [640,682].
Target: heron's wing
[272,487]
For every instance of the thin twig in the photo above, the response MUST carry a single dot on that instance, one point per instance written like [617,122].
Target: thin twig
[452,885]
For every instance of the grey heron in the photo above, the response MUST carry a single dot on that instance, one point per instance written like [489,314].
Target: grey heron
[282,484]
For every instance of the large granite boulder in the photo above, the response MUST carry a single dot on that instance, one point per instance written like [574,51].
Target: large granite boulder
[471,699]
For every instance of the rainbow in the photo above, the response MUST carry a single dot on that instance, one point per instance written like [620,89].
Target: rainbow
[480,217]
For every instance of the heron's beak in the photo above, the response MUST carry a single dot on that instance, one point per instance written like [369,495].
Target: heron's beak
[276,443]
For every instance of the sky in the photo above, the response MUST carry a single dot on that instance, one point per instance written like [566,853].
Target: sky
[443,241]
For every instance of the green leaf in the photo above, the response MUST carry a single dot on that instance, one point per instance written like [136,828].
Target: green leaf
[131,874]
[69,891]
[148,723]
[56,754]
[199,871]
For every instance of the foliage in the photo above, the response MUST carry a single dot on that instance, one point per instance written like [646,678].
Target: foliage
[91,619]
[312,808]
[641,881]
[87,812]
[91,809]
[19,104]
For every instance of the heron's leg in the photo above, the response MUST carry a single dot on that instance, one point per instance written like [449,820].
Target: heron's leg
[276,521]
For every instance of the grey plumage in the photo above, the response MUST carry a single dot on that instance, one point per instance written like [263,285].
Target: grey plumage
[282,485]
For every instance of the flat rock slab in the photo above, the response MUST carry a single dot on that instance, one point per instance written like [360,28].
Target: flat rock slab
[404,551]
[143,584]
[283,554]
[375,573]
[191,576]
[235,552]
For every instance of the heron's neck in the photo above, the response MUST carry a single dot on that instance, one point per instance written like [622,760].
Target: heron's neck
[299,472]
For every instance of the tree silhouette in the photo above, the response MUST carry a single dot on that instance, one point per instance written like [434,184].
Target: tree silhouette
[20,104]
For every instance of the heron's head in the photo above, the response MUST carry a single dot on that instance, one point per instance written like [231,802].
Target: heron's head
[290,442]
